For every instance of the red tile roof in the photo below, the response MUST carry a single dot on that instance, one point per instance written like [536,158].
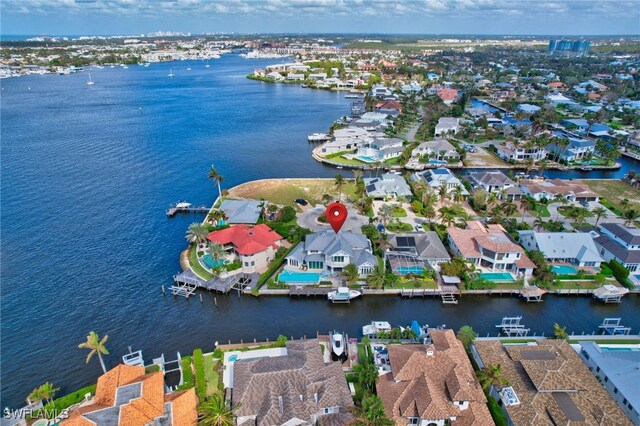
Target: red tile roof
[247,240]
[447,94]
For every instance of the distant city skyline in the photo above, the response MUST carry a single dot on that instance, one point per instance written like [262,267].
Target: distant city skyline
[489,17]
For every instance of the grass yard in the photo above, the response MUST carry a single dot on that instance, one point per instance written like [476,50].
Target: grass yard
[347,161]
[417,284]
[399,212]
[211,374]
[196,266]
[613,192]
[285,191]
[576,285]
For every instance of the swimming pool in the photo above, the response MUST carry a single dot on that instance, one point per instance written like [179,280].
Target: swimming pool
[233,358]
[211,263]
[409,270]
[366,159]
[293,277]
[564,269]
[438,162]
[619,349]
[497,276]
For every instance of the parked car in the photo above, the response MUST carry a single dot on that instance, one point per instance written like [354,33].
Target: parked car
[584,203]
[301,201]
[418,228]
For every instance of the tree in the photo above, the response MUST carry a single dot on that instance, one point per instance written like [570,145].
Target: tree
[371,413]
[600,213]
[357,175]
[385,213]
[97,347]
[217,251]
[216,215]
[216,177]
[47,391]
[458,196]
[629,216]
[539,223]
[466,335]
[339,183]
[350,273]
[215,412]
[527,204]
[35,395]
[376,279]
[367,373]
[508,208]
[197,233]
[491,374]
[559,332]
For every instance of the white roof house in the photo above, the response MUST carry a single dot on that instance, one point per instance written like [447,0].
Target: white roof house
[447,125]
[576,248]
[388,185]
[436,178]
[346,139]
[440,148]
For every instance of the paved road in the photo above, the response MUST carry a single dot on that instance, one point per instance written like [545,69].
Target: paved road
[354,221]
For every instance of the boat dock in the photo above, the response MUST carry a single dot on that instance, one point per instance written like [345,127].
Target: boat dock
[612,326]
[449,294]
[511,326]
[610,293]
[184,207]
[309,291]
[187,282]
[532,294]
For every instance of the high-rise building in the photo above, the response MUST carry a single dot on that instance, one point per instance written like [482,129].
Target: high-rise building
[569,47]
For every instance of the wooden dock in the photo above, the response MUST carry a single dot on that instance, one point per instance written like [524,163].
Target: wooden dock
[187,282]
[184,207]
[309,291]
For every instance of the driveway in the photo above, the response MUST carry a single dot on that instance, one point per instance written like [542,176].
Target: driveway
[354,221]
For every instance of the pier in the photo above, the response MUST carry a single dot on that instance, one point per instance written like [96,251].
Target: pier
[184,207]
[187,282]
[309,291]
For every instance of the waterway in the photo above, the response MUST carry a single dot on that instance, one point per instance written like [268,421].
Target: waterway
[87,173]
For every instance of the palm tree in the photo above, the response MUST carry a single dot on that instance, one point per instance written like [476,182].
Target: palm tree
[429,212]
[527,204]
[629,216]
[339,183]
[457,194]
[491,374]
[197,233]
[35,395]
[447,216]
[357,175]
[367,375]
[47,391]
[216,177]
[350,273]
[385,213]
[466,335]
[600,213]
[376,279]
[371,413]
[217,251]
[97,347]
[539,223]
[215,412]
[560,332]
[508,208]
[443,192]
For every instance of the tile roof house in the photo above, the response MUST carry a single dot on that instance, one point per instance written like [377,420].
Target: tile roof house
[294,389]
[432,384]
[126,396]
[439,149]
[490,247]
[254,246]
[576,248]
[241,211]
[389,185]
[619,372]
[436,178]
[330,252]
[548,385]
[496,181]
[411,251]
[550,187]
[447,95]
[447,126]
[619,242]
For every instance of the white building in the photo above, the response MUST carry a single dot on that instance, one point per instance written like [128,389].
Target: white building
[447,126]
[576,248]
[346,139]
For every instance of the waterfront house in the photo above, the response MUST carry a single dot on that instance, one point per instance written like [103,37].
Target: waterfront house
[547,384]
[576,248]
[576,149]
[435,178]
[619,242]
[127,396]
[558,99]
[379,91]
[254,246]
[575,123]
[388,105]
[551,187]
[241,211]
[413,252]
[327,252]
[295,77]
[294,388]
[489,247]
[346,139]
[494,181]
[389,185]
[438,149]
[432,384]
[447,95]
[317,76]
[447,126]
[527,108]
[619,373]
[274,75]
[511,151]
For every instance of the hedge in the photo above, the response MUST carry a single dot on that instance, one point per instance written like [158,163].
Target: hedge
[496,412]
[620,273]
[68,400]
[201,381]
[187,373]
[275,264]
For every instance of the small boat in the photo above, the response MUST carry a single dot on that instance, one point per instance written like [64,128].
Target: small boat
[188,68]
[125,67]
[337,344]
[90,82]
[318,137]
[352,96]
[304,85]
[376,326]
[343,295]
[171,74]
[339,167]
[586,168]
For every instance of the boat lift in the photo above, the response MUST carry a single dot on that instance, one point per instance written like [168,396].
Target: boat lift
[612,326]
[511,327]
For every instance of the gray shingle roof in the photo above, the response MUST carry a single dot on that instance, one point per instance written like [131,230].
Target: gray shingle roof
[387,185]
[629,235]
[566,245]
[492,178]
[427,244]
[241,211]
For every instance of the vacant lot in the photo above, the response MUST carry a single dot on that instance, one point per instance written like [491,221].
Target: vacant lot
[285,191]
[482,158]
[614,191]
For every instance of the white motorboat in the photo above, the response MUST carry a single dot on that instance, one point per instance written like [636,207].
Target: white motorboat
[337,344]
[375,327]
[343,294]
[318,137]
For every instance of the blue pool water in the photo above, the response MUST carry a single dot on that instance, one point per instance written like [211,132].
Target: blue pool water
[439,162]
[613,349]
[211,263]
[299,277]
[410,270]
[497,276]
[564,269]
[233,358]
[366,159]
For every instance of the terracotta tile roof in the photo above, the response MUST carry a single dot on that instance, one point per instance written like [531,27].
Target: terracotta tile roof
[552,384]
[447,94]
[183,412]
[557,186]
[113,379]
[427,379]
[246,239]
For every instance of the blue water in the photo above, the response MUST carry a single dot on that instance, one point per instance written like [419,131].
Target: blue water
[299,277]
[564,269]
[87,173]
[404,270]
[497,276]
[210,263]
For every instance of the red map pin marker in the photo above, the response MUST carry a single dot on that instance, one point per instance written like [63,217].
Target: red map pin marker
[336,215]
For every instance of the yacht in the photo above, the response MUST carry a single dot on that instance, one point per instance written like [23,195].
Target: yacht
[318,137]
[90,82]
[342,294]
[337,344]
[171,74]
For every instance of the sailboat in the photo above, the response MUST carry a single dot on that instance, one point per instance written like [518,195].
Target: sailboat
[90,82]
[207,65]
[171,74]
[188,68]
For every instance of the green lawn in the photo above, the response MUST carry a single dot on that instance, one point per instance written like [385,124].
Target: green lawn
[196,266]
[399,212]
[613,192]
[542,211]
[576,285]
[211,374]
[399,227]
[415,283]
[348,161]
[285,191]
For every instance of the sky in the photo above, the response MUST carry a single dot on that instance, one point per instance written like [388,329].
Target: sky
[134,17]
